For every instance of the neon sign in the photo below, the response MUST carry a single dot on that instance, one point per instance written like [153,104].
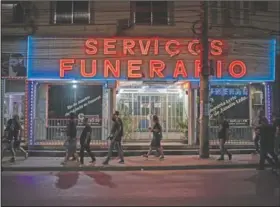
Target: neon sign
[130,57]
[229,91]
[148,58]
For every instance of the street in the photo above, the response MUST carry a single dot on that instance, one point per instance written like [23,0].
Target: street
[142,188]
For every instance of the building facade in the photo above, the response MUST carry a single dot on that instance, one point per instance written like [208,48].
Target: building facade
[64,57]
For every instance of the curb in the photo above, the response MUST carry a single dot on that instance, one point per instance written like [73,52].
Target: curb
[43,153]
[129,168]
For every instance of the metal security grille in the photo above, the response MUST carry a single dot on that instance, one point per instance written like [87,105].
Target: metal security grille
[137,107]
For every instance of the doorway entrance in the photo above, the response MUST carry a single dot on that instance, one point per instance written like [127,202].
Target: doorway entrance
[138,103]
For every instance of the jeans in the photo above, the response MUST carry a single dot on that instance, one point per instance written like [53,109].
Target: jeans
[85,146]
[264,152]
[256,142]
[223,149]
[277,144]
[117,145]
[11,146]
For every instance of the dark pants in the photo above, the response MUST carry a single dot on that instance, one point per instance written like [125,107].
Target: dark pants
[12,146]
[223,149]
[256,142]
[117,145]
[85,146]
[264,152]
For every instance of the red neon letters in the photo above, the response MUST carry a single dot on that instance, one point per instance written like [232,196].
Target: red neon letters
[130,57]
[237,73]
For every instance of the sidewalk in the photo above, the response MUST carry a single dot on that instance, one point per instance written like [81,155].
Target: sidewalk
[132,164]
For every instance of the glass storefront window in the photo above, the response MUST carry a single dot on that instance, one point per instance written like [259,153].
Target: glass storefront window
[14,104]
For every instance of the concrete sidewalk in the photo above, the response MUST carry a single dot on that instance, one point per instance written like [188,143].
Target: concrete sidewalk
[132,164]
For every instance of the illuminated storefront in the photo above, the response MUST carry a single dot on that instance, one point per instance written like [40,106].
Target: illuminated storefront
[144,76]
[13,79]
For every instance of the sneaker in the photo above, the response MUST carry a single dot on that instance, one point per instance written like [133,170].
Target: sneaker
[145,155]
[121,162]
[229,156]
[63,163]
[92,161]
[220,159]
[26,156]
[161,158]
[12,159]
[105,163]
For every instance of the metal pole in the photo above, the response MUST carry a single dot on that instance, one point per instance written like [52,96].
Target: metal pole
[204,86]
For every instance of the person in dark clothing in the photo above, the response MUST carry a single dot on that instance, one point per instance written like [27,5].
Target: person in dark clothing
[71,142]
[267,145]
[157,136]
[12,138]
[85,142]
[257,137]
[276,130]
[118,142]
[223,136]
[115,137]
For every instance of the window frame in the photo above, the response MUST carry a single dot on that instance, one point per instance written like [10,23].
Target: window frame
[214,9]
[13,18]
[239,19]
[72,22]
[170,14]
[248,10]
[259,8]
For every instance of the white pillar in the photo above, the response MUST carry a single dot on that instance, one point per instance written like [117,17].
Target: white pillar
[251,109]
[41,111]
[191,116]
[3,91]
[113,102]
[105,113]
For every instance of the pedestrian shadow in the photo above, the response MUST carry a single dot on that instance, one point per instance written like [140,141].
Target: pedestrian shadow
[101,178]
[266,184]
[66,180]
[7,161]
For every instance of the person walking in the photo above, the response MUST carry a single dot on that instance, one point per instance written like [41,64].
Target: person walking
[85,143]
[223,136]
[115,137]
[257,137]
[267,142]
[71,141]
[276,130]
[119,140]
[12,139]
[156,129]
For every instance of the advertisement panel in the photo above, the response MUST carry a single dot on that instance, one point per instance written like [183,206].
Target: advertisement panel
[149,58]
[13,58]
[233,102]
[84,101]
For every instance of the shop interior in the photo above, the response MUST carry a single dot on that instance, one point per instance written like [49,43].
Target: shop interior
[138,101]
